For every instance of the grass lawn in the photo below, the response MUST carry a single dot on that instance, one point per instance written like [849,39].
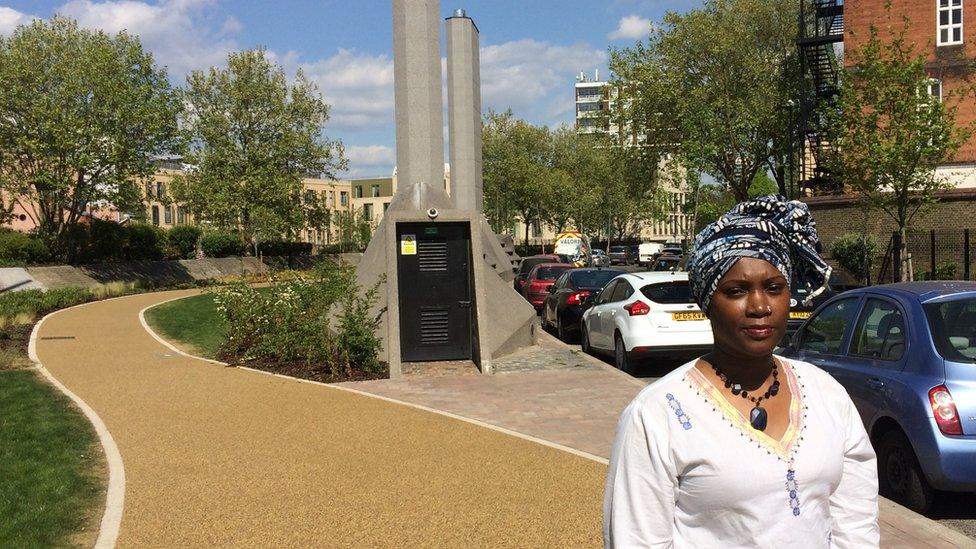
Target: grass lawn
[193,323]
[51,467]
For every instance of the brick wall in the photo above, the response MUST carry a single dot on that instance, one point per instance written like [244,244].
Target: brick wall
[947,63]
[956,211]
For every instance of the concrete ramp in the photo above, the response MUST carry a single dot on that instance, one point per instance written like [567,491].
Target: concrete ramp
[17,278]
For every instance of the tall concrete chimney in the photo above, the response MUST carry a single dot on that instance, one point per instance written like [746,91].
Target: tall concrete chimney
[418,96]
[464,112]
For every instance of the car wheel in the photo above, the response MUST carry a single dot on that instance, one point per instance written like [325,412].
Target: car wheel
[561,330]
[620,358]
[542,320]
[899,474]
[585,339]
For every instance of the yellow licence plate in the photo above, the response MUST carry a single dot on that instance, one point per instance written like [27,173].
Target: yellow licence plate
[687,316]
[800,315]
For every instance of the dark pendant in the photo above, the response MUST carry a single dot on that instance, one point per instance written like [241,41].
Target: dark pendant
[736,389]
[757,417]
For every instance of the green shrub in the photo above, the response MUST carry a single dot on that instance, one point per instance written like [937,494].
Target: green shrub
[36,302]
[144,242]
[281,248]
[20,248]
[320,319]
[855,253]
[183,239]
[217,244]
[943,271]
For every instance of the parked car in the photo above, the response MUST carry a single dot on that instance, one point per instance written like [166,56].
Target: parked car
[526,267]
[634,254]
[801,308]
[540,278]
[667,262]
[600,258]
[563,307]
[639,315]
[619,255]
[648,252]
[673,249]
[906,353]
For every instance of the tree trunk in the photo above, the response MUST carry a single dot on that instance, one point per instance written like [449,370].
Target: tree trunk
[905,266]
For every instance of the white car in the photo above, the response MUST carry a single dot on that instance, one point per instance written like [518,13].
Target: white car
[639,315]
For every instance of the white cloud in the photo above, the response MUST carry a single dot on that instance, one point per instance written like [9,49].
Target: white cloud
[10,19]
[534,79]
[371,155]
[176,31]
[358,86]
[632,27]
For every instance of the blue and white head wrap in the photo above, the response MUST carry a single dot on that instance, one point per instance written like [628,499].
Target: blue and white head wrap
[771,228]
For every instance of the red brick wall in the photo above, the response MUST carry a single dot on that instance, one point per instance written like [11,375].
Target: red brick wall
[946,63]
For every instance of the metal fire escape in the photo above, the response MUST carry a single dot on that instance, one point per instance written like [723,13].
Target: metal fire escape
[821,26]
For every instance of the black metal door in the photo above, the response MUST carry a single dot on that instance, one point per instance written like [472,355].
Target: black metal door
[433,268]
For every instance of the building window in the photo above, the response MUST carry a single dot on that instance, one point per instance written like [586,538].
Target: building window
[368,212]
[331,200]
[155,215]
[180,215]
[536,229]
[309,198]
[149,190]
[168,215]
[343,198]
[358,191]
[375,191]
[935,89]
[160,190]
[385,206]
[950,22]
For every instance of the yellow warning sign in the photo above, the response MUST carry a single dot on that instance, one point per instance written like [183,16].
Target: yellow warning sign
[408,244]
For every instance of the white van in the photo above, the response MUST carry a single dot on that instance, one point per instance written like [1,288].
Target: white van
[646,252]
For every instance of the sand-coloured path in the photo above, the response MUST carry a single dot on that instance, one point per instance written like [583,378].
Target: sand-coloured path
[221,456]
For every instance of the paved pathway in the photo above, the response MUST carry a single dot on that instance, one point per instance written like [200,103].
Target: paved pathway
[219,456]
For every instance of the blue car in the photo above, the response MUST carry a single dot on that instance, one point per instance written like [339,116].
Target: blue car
[906,353]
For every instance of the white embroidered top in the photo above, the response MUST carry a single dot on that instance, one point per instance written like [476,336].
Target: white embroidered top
[688,470]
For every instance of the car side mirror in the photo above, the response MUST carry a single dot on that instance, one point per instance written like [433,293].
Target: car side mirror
[552,289]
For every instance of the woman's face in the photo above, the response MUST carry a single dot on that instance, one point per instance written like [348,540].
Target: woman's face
[749,309]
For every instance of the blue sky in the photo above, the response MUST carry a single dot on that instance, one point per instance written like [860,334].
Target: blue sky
[531,49]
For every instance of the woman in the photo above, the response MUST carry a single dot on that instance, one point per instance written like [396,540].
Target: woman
[742,448]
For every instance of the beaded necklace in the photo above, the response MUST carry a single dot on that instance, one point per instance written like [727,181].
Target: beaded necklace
[758,417]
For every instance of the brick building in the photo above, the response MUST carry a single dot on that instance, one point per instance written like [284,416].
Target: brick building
[945,31]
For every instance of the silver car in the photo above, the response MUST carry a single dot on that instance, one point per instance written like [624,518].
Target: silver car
[600,258]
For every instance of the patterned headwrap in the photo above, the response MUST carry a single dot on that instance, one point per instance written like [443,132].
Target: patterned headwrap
[771,228]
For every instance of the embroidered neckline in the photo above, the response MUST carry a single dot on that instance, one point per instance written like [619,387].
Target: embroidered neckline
[783,448]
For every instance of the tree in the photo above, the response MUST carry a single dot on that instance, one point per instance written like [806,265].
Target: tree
[254,136]
[82,117]
[516,158]
[709,84]
[890,132]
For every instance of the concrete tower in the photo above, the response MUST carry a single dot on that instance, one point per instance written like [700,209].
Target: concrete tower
[464,112]
[418,96]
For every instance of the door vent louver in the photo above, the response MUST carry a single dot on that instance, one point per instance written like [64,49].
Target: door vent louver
[432,256]
[433,326]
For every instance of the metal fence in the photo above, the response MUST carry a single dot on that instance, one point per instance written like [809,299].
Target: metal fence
[931,255]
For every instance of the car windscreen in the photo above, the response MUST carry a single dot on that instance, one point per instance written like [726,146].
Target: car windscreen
[669,292]
[953,326]
[530,262]
[549,273]
[617,249]
[667,264]
[592,279]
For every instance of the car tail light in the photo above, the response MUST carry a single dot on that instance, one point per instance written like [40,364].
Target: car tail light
[576,298]
[637,308]
[944,409]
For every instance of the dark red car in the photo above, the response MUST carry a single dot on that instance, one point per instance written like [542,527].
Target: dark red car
[540,278]
[526,266]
